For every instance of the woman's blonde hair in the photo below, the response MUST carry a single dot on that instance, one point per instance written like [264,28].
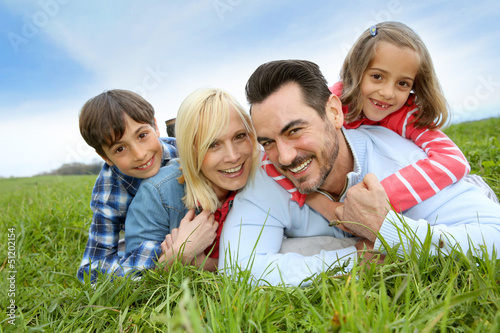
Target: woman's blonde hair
[429,97]
[203,117]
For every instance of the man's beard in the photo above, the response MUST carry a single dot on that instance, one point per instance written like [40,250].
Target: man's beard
[329,155]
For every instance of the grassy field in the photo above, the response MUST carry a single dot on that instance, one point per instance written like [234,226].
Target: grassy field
[48,218]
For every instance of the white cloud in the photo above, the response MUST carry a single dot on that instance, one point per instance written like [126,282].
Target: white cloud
[42,142]
[167,49]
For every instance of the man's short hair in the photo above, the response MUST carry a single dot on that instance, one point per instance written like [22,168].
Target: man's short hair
[102,120]
[271,76]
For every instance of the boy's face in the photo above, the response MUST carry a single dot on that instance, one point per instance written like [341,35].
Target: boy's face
[138,153]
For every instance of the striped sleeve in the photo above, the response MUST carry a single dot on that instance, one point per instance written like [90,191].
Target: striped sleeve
[286,183]
[445,164]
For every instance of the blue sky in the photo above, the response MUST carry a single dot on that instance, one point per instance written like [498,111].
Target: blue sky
[56,54]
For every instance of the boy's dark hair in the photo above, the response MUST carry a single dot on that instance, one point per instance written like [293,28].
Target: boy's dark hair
[102,120]
[270,77]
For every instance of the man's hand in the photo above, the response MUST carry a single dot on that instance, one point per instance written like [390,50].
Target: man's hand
[365,207]
[366,252]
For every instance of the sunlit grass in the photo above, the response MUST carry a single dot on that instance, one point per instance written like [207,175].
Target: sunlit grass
[480,143]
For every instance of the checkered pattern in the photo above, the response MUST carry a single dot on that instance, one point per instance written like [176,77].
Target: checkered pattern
[112,194]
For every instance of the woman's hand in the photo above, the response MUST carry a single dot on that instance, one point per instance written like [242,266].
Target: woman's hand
[194,235]
[166,247]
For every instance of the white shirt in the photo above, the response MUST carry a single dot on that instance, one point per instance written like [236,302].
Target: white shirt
[262,214]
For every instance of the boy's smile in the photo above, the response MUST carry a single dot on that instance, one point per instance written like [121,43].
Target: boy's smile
[138,153]
[146,165]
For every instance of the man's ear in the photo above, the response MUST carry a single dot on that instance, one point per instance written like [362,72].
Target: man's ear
[334,110]
[106,159]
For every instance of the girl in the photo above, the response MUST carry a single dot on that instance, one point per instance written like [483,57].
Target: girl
[388,79]
[218,152]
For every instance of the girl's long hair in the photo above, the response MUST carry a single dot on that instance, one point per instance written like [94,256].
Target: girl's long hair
[429,97]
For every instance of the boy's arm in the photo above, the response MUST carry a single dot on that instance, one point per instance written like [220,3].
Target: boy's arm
[101,254]
[109,203]
[445,164]
[169,148]
[154,214]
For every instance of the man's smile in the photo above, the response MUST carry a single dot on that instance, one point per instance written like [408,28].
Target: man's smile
[301,167]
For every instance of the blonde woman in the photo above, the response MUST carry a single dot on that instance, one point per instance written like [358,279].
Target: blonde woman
[185,204]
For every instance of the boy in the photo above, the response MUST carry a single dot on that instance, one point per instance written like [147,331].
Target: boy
[121,127]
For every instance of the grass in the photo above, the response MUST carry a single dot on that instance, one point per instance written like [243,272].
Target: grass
[480,142]
[421,293]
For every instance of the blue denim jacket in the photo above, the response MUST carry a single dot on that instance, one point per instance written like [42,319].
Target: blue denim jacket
[156,209]
[112,194]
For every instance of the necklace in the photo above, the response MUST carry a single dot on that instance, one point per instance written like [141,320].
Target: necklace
[326,194]
[330,196]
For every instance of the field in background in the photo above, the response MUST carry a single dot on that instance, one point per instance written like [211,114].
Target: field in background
[480,142]
[50,217]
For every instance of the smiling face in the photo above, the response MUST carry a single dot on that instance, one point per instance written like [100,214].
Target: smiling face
[138,153]
[301,145]
[228,160]
[388,81]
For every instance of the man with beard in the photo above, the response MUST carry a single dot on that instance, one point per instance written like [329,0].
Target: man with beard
[300,125]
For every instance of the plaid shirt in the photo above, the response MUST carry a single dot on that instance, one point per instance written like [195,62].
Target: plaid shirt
[111,197]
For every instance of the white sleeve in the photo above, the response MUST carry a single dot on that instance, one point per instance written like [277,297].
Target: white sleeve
[253,233]
[465,226]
